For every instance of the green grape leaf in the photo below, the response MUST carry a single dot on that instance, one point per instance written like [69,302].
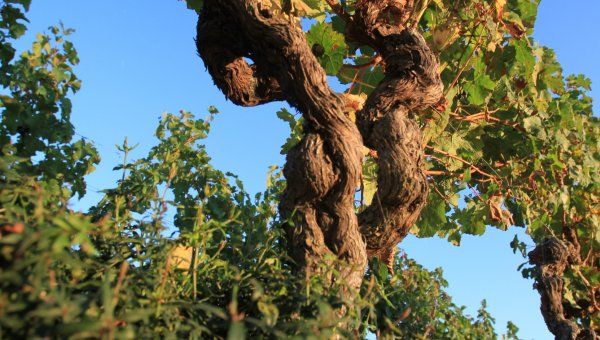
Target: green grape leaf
[333,44]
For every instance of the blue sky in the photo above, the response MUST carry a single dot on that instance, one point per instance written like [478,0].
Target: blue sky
[138,60]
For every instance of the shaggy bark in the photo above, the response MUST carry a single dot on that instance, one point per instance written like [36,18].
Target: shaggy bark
[255,56]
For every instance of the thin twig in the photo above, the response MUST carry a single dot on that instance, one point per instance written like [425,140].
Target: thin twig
[436,173]
[359,82]
[488,118]
[473,166]
[417,18]
[373,62]
[117,289]
[465,65]
[437,190]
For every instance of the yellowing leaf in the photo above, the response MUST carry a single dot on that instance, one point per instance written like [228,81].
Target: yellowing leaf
[499,5]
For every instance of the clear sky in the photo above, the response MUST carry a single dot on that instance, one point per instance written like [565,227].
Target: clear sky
[138,60]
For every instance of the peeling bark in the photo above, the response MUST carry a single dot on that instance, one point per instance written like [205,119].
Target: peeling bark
[256,56]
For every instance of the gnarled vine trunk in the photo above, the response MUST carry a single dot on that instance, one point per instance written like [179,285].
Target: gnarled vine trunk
[551,258]
[255,56]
